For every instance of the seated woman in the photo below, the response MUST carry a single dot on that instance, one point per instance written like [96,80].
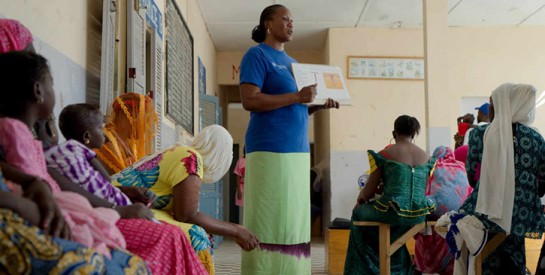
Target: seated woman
[28,250]
[448,188]
[512,157]
[180,166]
[403,169]
[28,76]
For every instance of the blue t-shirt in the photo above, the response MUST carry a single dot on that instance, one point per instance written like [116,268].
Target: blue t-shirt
[284,130]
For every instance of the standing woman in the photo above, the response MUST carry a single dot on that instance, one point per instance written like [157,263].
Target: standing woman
[277,199]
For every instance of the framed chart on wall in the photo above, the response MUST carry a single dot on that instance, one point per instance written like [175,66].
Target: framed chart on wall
[385,67]
[179,68]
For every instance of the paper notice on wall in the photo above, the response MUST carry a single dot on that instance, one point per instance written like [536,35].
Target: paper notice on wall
[330,82]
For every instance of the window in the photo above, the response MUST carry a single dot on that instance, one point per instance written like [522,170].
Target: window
[108,87]
[179,68]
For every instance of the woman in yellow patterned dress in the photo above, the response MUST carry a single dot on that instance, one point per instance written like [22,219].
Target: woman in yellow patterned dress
[174,175]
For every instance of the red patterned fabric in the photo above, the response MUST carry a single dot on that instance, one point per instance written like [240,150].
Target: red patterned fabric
[191,163]
[163,246]
[437,258]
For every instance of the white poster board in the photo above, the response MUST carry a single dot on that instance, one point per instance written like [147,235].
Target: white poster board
[329,79]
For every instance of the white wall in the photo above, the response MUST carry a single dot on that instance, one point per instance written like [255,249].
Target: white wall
[60,34]
[479,60]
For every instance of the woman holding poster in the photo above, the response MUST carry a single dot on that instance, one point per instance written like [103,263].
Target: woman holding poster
[277,197]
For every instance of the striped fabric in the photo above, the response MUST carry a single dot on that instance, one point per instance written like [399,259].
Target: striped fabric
[72,159]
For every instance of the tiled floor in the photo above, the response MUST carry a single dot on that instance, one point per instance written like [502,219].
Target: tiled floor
[227,258]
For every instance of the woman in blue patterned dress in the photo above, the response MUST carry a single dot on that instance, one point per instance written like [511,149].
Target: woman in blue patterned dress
[512,158]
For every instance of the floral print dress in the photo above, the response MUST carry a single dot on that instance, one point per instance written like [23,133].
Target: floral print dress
[160,173]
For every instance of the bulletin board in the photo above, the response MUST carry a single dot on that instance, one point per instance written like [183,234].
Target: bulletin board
[179,68]
[385,67]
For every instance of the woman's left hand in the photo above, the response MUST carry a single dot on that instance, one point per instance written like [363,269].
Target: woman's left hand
[330,103]
[361,199]
[139,194]
[135,211]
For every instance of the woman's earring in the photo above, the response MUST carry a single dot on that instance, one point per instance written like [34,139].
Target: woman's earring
[41,100]
[87,141]
[269,31]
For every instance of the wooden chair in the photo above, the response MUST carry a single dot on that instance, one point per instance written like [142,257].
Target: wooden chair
[489,247]
[386,250]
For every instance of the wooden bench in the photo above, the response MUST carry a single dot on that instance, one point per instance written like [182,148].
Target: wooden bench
[386,250]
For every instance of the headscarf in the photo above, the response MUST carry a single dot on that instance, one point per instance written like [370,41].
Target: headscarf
[443,153]
[215,145]
[13,36]
[448,186]
[140,115]
[512,103]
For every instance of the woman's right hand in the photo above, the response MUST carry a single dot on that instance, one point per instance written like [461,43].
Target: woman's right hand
[245,239]
[135,211]
[307,94]
[52,222]
[138,194]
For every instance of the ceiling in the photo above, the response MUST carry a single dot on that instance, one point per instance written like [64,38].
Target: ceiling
[230,21]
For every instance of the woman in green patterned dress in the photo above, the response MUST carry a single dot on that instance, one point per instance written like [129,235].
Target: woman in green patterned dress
[404,169]
[510,156]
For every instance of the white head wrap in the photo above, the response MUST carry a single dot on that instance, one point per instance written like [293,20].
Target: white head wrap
[512,103]
[215,145]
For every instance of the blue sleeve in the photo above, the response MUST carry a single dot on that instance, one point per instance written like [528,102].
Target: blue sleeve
[253,68]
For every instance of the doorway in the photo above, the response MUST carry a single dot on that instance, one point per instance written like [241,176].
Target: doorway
[234,210]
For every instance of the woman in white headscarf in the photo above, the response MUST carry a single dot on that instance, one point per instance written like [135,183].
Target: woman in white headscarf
[511,156]
[180,171]
[175,175]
